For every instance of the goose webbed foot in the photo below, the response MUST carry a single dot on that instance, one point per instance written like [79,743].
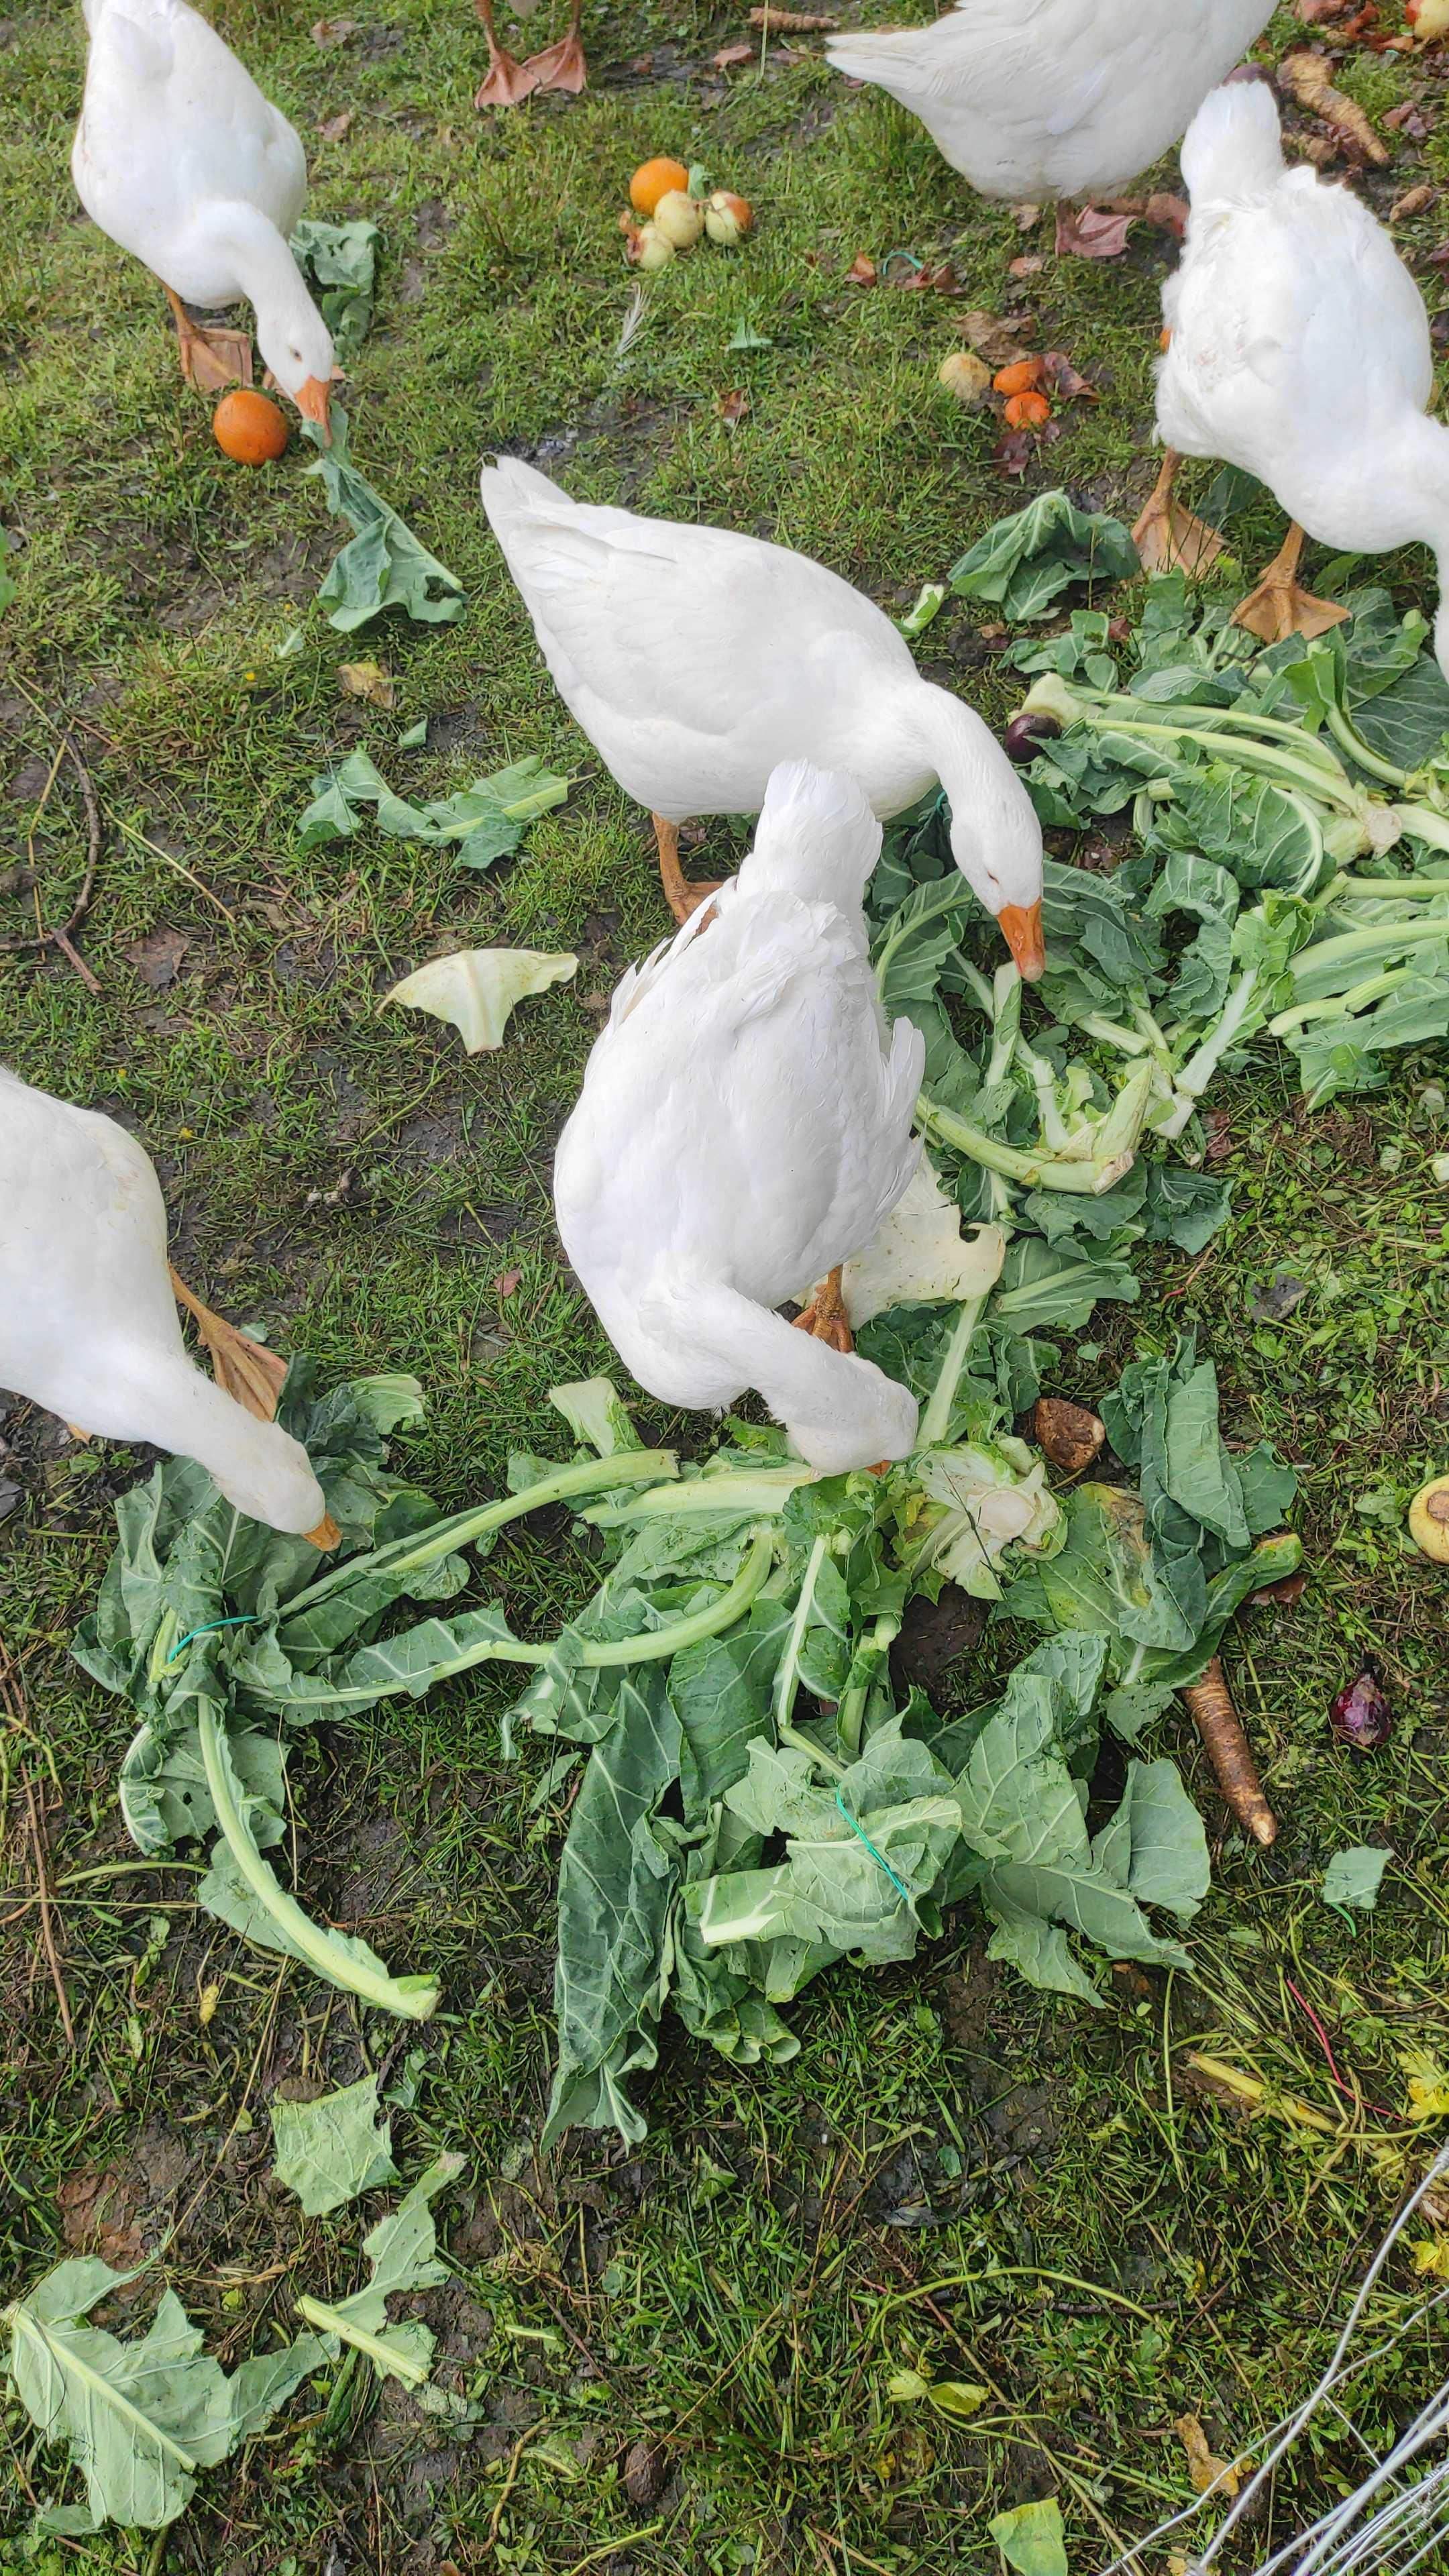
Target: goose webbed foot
[681,893]
[506,81]
[210,358]
[825,1316]
[1168,537]
[1278,606]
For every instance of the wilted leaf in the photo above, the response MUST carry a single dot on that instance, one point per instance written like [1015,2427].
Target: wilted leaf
[1064,379]
[1274,1303]
[999,342]
[157,958]
[335,129]
[646,2470]
[1354,1877]
[920,1256]
[728,55]
[733,406]
[403,2252]
[1032,2539]
[862,271]
[333,31]
[385,566]
[367,680]
[1428,2095]
[1206,2471]
[476,989]
[331,2150]
[140,2417]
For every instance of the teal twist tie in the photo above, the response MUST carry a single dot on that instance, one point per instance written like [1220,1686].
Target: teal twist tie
[241,1619]
[862,1836]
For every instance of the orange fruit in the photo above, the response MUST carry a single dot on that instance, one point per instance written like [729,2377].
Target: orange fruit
[248,428]
[1027,411]
[653,180]
[1019,377]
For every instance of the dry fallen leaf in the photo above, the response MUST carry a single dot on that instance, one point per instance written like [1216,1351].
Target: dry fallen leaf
[1307,80]
[1409,118]
[245,1370]
[1026,217]
[1086,232]
[157,957]
[366,680]
[1413,202]
[861,271]
[1204,2468]
[1028,267]
[646,2474]
[1063,378]
[733,406]
[507,1282]
[1013,453]
[729,55]
[333,129]
[999,342]
[333,31]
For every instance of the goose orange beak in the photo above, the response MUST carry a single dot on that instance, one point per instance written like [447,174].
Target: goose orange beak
[1020,927]
[325,1536]
[312,401]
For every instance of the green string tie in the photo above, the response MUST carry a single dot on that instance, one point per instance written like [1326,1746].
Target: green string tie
[241,1619]
[862,1836]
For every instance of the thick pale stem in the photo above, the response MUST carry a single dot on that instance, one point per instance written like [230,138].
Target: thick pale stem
[935,1421]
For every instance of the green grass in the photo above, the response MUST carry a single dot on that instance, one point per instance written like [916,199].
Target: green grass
[740,2290]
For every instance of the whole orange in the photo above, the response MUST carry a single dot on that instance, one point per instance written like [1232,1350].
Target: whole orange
[653,180]
[248,428]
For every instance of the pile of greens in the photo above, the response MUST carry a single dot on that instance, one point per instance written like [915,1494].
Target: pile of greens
[486,819]
[758,1801]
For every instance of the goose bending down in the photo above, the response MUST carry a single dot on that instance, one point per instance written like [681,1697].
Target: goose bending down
[1055,99]
[1300,351]
[745,1123]
[88,1323]
[696,660]
[183,162]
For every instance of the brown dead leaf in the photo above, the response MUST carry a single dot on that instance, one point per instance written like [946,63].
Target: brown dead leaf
[1063,378]
[1026,218]
[1307,80]
[1087,232]
[1205,2469]
[862,271]
[1068,1434]
[1217,1127]
[1413,202]
[96,2215]
[334,129]
[157,957]
[1013,453]
[646,2473]
[245,1370]
[333,31]
[507,1283]
[366,680]
[1410,118]
[733,406]
[999,342]
[728,55]
[1029,266]
[1311,11]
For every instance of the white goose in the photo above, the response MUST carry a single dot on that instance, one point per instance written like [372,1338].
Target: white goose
[1055,99]
[180,159]
[745,1123]
[1300,351]
[87,1317]
[696,660]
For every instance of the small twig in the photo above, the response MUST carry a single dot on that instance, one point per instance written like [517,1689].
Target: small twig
[531,2433]
[1334,2077]
[792,22]
[47,1929]
[41,937]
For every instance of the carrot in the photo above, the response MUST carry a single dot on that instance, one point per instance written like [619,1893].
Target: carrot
[1027,411]
[1019,377]
[1210,1704]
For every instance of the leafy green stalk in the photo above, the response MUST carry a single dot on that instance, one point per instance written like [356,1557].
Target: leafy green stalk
[342,1963]
[402,1557]
[381,2349]
[935,1422]
[787,1680]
